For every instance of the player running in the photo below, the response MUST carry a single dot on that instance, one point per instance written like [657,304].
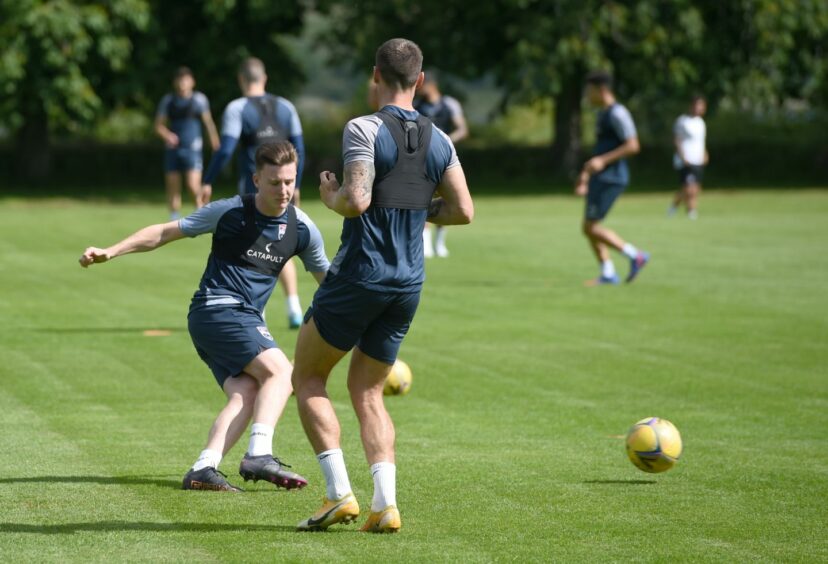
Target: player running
[253,237]
[253,119]
[606,175]
[690,136]
[394,161]
[447,114]
[177,124]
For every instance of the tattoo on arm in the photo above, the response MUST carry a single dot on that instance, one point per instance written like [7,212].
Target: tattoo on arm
[434,208]
[359,179]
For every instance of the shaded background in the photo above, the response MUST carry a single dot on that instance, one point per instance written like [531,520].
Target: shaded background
[79,82]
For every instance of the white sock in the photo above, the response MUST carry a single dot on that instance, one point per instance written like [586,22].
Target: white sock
[629,251]
[607,269]
[293,305]
[207,458]
[427,245]
[441,236]
[261,440]
[332,463]
[385,485]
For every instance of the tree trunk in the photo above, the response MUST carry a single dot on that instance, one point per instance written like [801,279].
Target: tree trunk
[566,146]
[33,152]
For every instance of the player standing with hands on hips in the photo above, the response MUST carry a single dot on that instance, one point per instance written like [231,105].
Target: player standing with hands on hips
[255,118]
[177,124]
[253,238]
[690,139]
[394,162]
[605,177]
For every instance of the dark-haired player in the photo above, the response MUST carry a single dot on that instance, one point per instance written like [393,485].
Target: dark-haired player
[690,140]
[253,237]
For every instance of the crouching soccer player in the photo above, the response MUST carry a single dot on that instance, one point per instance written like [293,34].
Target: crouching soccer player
[253,237]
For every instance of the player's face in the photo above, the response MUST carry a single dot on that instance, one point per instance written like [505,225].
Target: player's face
[276,183]
[593,94]
[699,108]
[184,85]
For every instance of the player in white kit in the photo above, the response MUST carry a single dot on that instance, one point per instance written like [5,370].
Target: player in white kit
[689,136]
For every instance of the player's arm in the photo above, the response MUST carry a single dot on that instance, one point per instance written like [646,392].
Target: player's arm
[212,132]
[598,163]
[147,239]
[461,128]
[319,276]
[454,205]
[231,130]
[169,138]
[353,197]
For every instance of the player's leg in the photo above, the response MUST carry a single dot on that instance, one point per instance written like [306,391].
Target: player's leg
[290,287]
[172,184]
[272,370]
[693,200]
[193,181]
[440,248]
[428,244]
[315,358]
[231,422]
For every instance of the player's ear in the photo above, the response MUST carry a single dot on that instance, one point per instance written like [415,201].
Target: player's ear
[376,76]
[420,80]
[256,179]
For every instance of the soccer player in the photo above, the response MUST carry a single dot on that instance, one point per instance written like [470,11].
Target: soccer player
[177,124]
[447,114]
[606,175]
[253,237]
[253,119]
[690,135]
[394,161]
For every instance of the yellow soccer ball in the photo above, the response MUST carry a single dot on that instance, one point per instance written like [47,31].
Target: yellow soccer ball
[398,382]
[654,445]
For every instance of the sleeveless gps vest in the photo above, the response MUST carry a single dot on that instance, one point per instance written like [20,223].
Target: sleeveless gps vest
[269,128]
[443,119]
[406,186]
[252,250]
[187,111]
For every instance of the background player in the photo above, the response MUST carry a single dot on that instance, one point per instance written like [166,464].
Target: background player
[606,175]
[177,124]
[253,237]
[447,114]
[367,301]
[253,119]
[690,140]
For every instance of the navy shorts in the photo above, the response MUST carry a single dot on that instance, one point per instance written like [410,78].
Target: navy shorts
[182,159]
[228,338]
[691,174]
[376,322]
[600,198]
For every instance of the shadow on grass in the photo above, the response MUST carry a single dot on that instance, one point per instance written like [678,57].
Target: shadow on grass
[116,480]
[143,526]
[621,482]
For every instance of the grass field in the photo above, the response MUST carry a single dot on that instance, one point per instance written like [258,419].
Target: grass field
[508,444]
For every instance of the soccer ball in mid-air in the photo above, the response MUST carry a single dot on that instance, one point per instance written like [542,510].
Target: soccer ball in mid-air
[654,444]
[398,382]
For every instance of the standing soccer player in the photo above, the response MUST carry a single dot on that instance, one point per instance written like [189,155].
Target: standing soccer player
[394,161]
[177,124]
[605,177]
[255,118]
[690,140]
[447,114]
[253,237]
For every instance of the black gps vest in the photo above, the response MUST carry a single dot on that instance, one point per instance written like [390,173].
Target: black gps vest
[251,250]
[406,186]
[187,111]
[269,128]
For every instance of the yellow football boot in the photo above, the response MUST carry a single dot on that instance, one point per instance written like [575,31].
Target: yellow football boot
[344,510]
[385,521]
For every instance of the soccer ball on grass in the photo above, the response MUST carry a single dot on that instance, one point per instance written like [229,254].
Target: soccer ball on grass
[654,445]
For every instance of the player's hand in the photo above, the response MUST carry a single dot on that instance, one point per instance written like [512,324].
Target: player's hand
[581,189]
[328,187]
[206,194]
[93,255]
[172,140]
[595,165]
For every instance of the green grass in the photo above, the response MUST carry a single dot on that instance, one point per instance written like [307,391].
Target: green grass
[507,444]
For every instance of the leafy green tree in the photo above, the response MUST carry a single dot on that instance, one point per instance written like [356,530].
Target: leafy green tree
[57,57]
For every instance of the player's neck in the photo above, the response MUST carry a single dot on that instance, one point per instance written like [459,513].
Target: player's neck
[267,209]
[185,95]
[608,100]
[401,98]
[254,90]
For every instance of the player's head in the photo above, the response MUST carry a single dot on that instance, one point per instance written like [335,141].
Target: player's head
[698,106]
[252,72]
[598,85]
[399,65]
[183,81]
[430,89]
[275,176]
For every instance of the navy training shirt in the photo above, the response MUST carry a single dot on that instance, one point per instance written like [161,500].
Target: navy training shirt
[382,249]
[614,126]
[184,117]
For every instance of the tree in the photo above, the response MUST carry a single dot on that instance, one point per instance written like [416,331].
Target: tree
[57,56]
